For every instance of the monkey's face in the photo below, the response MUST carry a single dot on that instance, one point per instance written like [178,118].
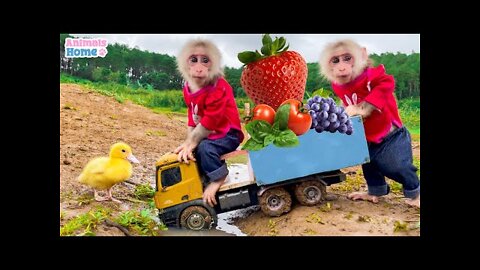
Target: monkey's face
[341,64]
[199,65]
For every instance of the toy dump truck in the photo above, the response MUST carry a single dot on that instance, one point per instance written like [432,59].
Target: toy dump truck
[275,175]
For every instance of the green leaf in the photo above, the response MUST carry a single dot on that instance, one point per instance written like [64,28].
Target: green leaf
[258,130]
[268,139]
[275,129]
[263,127]
[252,145]
[275,47]
[250,127]
[266,40]
[282,115]
[247,57]
[281,43]
[286,138]
[284,50]
[267,49]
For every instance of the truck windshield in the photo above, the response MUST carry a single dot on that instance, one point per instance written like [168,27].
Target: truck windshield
[171,177]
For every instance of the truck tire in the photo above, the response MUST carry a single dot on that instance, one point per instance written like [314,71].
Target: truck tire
[196,218]
[275,202]
[310,192]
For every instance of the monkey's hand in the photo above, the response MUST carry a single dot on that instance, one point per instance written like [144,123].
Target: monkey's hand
[363,109]
[185,150]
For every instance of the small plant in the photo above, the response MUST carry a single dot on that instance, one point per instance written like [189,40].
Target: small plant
[399,226]
[364,218]
[272,226]
[353,183]
[144,191]
[84,199]
[66,195]
[314,218]
[349,215]
[142,223]
[309,232]
[326,207]
[84,224]
[395,187]
[416,162]
[119,99]
[157,133]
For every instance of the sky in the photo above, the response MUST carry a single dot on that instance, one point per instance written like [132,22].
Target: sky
[308,45]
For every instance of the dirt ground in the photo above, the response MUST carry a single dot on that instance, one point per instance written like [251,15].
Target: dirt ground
[91,122]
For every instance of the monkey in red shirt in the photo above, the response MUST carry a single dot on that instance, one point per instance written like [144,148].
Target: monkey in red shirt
[369,92]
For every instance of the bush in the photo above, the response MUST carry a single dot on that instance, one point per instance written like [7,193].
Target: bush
[101,74]
[167,99]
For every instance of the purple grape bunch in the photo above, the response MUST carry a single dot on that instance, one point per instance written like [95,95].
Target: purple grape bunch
[328,116]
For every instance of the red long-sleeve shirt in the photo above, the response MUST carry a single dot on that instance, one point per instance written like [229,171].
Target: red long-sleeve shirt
[375,87]
[214,107]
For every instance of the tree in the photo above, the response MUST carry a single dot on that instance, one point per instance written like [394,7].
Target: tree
[233,75]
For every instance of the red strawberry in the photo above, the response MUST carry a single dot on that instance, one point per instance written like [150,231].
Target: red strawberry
[275,75]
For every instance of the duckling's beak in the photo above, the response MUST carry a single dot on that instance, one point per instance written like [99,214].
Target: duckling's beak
[132,158]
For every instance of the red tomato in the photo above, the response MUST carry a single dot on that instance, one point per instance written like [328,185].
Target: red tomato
[299,121]
[264,112]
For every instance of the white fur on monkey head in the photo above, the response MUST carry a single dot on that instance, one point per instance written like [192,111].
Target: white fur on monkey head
[343,61]
[199,62]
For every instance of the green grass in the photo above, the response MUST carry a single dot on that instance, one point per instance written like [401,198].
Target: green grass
[410,114]
[169,100]
[144,191]
[416,163]
[141,223]
[84,224]
[353,182]
[240,159]
[138,222]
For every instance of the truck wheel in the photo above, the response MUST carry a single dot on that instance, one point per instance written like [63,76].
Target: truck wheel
[195,218]
[275,202]
[310,192]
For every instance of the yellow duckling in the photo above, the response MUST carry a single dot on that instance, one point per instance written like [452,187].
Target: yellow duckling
[104,172]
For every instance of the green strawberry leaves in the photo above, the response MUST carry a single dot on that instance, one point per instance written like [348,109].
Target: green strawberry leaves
[262,134]
[269,48]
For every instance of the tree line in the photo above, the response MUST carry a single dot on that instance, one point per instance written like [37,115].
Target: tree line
[137,68]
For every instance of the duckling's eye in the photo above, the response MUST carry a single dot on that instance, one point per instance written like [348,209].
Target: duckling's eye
[123,150]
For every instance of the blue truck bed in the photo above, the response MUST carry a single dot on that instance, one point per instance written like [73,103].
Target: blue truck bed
[316,153]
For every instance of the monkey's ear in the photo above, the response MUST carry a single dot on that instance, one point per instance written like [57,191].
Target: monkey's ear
[364,54]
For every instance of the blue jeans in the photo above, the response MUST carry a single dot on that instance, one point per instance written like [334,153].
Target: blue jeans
[392,158]
[208,154]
